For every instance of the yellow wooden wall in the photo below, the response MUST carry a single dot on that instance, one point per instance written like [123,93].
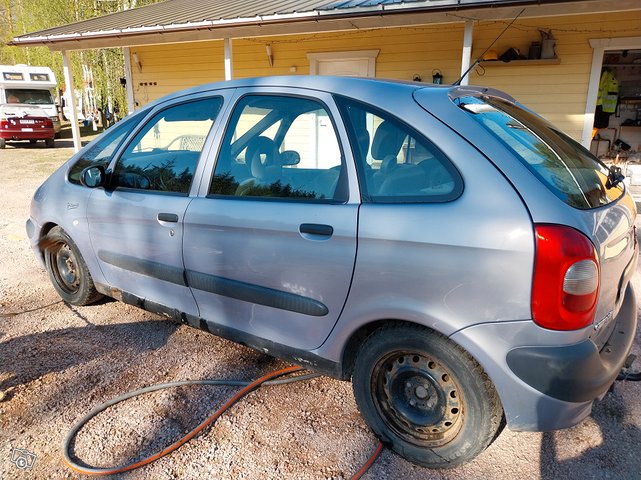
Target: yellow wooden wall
[558,92]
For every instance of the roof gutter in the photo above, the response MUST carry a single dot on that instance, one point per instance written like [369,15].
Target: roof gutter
[435,6]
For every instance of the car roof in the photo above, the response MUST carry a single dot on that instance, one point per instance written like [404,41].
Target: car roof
[370,90]
[325,83]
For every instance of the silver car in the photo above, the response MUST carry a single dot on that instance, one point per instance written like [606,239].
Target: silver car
[461,260]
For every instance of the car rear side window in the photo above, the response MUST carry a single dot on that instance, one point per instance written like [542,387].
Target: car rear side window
[163,155]
[101,152]
[570,171]
[395,163]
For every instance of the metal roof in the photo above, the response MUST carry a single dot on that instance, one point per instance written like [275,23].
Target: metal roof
[177,20]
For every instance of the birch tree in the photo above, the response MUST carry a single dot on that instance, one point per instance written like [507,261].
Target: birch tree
[20,17]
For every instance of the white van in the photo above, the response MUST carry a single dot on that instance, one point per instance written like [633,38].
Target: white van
[30,85]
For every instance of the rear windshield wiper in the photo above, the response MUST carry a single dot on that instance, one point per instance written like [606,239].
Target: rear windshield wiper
[614,177]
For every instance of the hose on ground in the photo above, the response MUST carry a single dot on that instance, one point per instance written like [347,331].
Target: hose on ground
[627,376]
[272,378]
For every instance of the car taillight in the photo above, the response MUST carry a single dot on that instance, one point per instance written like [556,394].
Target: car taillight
[566,278]
[48,122]
[4,123]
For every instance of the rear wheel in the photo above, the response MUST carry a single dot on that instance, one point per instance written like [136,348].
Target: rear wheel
[32,141]
[50,143]
[425,397]
[67,269]
[3,143]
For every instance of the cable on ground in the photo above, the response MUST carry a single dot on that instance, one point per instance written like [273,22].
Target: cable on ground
[269,379]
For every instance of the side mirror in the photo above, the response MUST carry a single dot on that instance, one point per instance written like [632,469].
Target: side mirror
[93,177]
[289,157]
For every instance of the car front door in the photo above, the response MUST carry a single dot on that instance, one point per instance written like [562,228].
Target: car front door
[136,223]
[270,244]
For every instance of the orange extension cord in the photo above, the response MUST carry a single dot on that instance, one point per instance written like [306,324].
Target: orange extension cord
[86,470]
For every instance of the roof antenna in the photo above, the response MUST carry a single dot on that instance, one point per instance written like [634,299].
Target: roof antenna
[476,62]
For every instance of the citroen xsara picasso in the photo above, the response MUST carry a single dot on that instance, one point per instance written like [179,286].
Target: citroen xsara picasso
[456,256]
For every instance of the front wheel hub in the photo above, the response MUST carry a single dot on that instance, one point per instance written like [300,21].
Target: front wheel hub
[66,269]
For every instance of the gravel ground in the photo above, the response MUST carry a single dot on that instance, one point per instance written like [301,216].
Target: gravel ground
[57,362]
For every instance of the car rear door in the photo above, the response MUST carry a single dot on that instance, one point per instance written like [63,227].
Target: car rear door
[270,243]
[136,224]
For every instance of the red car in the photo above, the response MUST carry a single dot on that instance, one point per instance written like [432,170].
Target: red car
[25,122]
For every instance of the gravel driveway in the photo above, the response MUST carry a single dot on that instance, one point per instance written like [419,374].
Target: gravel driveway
[58,361]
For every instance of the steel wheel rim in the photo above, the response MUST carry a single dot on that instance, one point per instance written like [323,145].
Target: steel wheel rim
[418,397]
[65,268]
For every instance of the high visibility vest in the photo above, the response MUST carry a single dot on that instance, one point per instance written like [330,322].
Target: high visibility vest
[608,92]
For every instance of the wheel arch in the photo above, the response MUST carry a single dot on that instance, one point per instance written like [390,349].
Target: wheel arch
[44,231]
[350,350]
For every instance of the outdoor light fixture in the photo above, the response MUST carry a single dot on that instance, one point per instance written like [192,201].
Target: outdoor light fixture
[270,57]
[437,77]
[137,62]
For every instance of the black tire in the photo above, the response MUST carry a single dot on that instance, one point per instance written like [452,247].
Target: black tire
[50,143]
[67,269]
[3,143]
[32,141]
[425,397]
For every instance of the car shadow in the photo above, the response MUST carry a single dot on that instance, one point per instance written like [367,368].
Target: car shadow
[608,455]
[30,357]
[59,143]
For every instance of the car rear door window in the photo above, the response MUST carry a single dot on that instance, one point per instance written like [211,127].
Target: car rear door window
[566,168]
[279,147]
[163,155]
[395,163]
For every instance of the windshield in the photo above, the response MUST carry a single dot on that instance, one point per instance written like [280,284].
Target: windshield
[29,96]
[570,171]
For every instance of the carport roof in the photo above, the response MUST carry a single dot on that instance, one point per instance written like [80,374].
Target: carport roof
[190,20]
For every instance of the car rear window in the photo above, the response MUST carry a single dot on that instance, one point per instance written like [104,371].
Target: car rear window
[570,171]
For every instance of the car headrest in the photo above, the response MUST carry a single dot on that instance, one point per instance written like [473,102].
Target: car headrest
[388,141]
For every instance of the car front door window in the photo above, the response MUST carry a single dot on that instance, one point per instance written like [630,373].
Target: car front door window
[163,155]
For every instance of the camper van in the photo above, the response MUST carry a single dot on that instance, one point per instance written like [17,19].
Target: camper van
[30,85]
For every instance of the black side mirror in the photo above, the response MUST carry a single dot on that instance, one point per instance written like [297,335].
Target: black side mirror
[93,176]
[289,157]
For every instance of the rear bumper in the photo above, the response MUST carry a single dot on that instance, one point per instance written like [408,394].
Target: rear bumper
[37,134]
[578,373]
[553,385]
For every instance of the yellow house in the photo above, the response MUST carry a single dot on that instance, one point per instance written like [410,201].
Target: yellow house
[561,48]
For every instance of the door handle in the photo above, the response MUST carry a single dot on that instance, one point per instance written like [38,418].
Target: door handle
[168,217]
[316,229]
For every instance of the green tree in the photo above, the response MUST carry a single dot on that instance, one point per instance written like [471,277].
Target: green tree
[20,17]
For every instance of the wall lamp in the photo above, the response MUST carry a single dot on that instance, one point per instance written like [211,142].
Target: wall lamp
[137,62]
[270,56]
